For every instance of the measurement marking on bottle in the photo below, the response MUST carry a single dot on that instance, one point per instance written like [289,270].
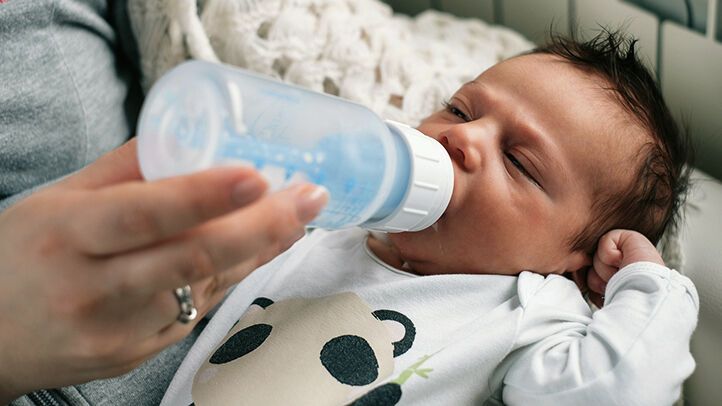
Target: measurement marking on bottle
[426,157]
[416,211]
[426,185]
[390,228]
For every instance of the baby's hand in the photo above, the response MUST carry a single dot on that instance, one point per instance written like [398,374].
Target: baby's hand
[617,249]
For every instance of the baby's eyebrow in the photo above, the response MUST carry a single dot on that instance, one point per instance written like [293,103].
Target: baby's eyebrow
[477,92]
[476,84]
[548,159]
[472,82]
[547,163]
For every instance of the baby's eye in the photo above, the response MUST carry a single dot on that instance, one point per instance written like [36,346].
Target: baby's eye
[455,111]
[521,168]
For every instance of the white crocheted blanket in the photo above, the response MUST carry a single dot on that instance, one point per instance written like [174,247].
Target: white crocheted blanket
[400,67]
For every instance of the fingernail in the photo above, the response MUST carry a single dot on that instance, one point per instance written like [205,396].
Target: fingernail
[248,190]
[310,199]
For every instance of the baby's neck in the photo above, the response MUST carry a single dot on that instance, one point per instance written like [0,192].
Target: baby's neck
[385,251]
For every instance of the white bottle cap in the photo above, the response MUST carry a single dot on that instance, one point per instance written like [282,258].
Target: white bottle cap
[431,182]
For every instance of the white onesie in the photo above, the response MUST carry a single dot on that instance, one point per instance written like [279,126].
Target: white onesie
[328,323]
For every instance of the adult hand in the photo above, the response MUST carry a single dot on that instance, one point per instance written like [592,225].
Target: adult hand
[617,249]
[89,264]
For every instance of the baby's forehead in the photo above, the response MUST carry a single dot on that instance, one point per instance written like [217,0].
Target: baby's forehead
[541,67]
[553,79]
[581,110]
[616,152]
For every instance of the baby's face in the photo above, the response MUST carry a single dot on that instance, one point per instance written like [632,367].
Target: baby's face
[532,141]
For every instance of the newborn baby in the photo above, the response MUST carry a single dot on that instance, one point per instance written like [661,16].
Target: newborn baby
[568,167]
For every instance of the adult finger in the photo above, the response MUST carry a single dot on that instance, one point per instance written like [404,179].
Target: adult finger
[125,325]
[171,333]
[118,165]
[127,358]
[248,236]
[161,309]
[132,215]
[152,345]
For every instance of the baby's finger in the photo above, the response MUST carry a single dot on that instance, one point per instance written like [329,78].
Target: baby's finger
[249,236]
[602,268]
[597,299]
[608,249]
[595,282]
[580,279]
[132,215]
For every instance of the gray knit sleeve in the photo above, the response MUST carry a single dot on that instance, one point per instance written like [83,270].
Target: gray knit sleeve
[66,93]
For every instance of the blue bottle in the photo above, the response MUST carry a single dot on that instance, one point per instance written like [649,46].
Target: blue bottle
[381,175]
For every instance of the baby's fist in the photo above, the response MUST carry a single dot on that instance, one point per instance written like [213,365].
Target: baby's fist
[617,249]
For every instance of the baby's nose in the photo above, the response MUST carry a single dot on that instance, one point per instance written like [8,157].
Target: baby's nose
[461,150]
[456,154]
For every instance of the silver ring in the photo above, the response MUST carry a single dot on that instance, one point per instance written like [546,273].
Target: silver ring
[188,311]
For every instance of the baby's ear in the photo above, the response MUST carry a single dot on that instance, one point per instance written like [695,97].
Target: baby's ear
[580,263]
[579,277]
[576,261]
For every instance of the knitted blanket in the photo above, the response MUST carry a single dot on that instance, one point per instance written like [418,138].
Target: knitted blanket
[400,67]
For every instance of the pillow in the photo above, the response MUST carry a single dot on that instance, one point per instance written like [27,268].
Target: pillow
[699,242]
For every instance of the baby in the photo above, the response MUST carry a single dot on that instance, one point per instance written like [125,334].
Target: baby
[558,155]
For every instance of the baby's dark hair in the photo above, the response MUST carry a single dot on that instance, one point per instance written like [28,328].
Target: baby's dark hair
[652,203]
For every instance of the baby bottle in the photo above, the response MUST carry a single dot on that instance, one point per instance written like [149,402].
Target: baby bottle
[380,175]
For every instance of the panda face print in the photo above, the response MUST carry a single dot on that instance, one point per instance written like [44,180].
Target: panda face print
[351,360]
[241,343]
[302,351]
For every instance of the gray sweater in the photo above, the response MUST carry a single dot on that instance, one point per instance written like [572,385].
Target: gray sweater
[63,93]
[67,96]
